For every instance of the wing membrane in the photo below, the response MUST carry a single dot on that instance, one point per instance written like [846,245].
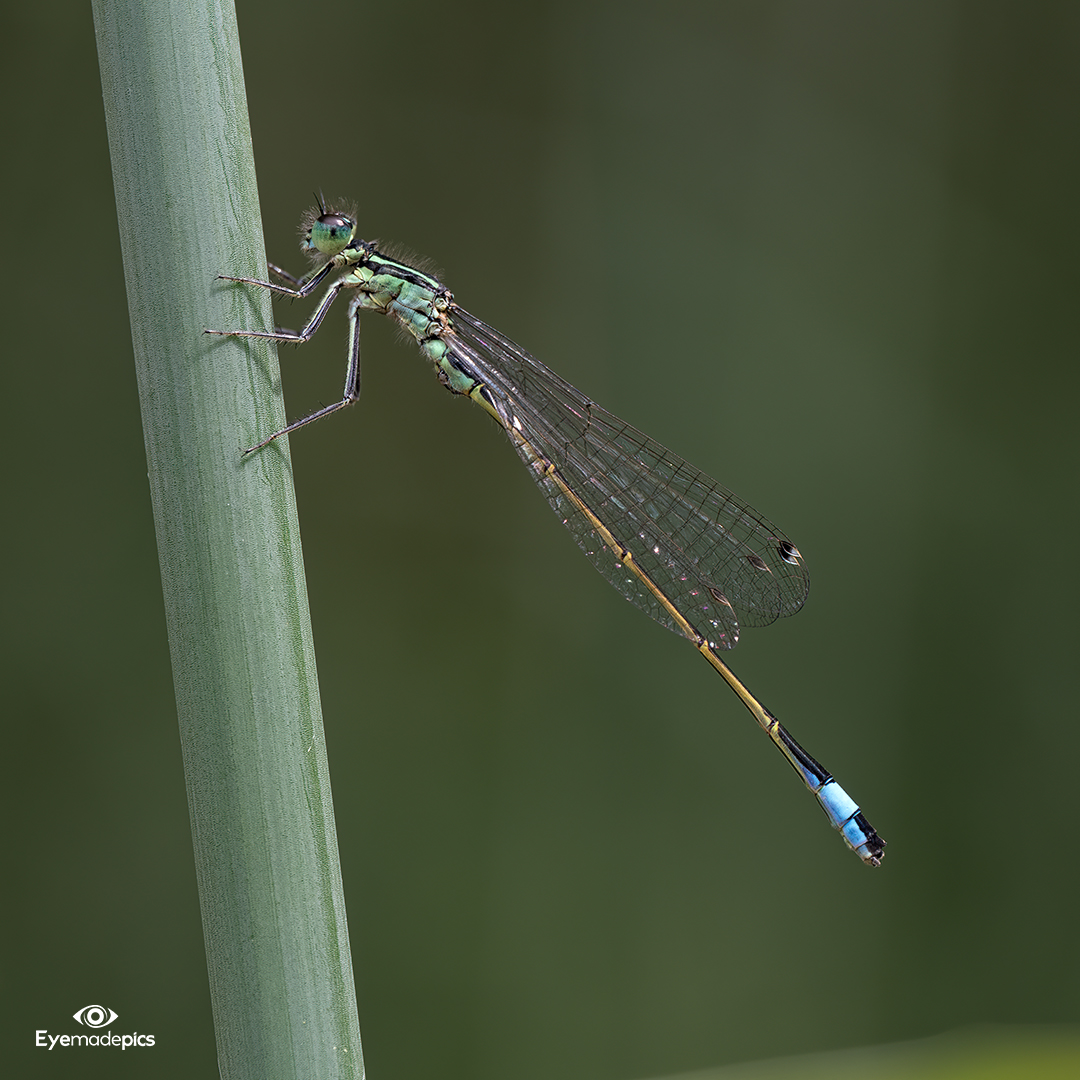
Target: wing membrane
[718,561]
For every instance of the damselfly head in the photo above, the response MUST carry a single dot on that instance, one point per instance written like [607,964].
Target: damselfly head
[325,232]
[329,234]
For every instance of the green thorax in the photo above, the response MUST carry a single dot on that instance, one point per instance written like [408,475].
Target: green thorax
[415,300]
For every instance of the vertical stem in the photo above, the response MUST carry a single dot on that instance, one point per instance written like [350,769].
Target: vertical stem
[231,566]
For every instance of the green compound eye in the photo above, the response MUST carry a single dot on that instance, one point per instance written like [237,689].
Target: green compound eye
[331,233]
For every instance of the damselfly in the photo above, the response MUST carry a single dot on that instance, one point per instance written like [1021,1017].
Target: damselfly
[672,540]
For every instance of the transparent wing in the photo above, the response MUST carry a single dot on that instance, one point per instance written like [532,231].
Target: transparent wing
[717,560]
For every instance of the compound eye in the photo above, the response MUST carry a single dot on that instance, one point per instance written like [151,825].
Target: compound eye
[331,233]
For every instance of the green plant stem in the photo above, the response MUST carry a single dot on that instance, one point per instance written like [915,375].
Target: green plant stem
[231,567]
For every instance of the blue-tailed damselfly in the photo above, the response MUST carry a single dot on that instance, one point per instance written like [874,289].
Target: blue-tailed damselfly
[672,540]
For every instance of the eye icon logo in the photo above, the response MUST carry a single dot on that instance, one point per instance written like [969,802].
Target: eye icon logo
[95,1016]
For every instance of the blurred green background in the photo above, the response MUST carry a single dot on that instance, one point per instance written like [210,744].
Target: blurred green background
[825,251]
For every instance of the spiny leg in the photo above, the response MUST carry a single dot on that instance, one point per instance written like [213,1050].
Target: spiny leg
[352,375]
[300,287]
[277,271]
[292,336]
[351,393]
